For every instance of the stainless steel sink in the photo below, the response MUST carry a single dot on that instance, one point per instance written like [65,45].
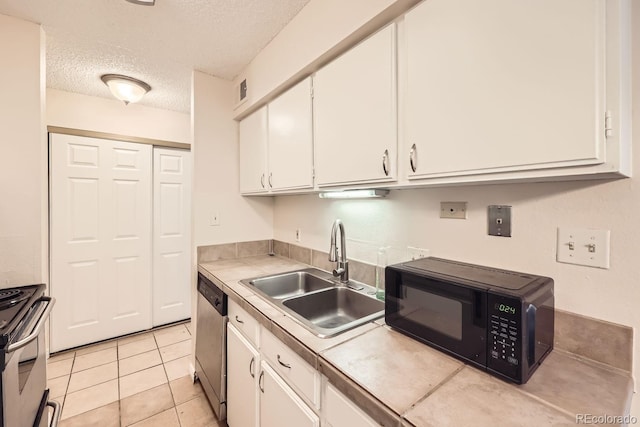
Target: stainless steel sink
[291,284]
[335,310]
[319,302]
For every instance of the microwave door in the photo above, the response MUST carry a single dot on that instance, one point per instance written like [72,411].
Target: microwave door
[446,316]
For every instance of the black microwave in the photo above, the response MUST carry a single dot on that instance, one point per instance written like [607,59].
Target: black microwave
[497,320]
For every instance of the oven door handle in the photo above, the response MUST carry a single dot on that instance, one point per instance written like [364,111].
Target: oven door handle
[57,410]
[36,329]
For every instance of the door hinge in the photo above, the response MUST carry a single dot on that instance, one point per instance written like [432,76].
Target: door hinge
[608,124]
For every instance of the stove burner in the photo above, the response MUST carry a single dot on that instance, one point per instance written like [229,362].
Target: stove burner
[9,293]
[10,297]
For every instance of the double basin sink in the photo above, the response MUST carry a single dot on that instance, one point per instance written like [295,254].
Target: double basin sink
[318,301]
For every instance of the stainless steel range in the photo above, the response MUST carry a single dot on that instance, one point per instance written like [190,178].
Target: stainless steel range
[23,389]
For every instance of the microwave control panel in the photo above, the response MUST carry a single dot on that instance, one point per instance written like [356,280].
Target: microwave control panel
[504,332]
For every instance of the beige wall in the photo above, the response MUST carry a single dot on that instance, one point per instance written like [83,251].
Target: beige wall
[77,111]
[23,170]
[215,173]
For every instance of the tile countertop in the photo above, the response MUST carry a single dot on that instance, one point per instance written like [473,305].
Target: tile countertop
[401,382]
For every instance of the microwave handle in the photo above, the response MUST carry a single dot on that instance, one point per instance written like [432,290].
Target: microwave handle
[49,301]
[531,334]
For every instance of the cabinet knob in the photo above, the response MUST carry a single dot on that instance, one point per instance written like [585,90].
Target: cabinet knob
[385,160]
[253,360]
[270,178]
[260,381]
[262,180]
[413,159]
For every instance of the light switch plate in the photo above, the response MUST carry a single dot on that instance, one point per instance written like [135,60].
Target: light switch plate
[214,219]
[584,246]
[499,219]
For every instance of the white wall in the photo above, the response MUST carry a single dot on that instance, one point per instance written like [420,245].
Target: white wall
[77,111]
[23,171]
[411,218]
[216,178]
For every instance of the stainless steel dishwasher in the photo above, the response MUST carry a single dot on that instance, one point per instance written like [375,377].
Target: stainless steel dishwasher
[211,344]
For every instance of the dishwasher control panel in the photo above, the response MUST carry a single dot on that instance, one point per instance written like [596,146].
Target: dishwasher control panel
[213,294]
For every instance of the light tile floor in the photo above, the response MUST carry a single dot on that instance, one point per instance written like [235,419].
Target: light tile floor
[140,380]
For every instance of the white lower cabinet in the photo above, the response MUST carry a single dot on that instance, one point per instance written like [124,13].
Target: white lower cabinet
[243,364]
[339,411]
[269,385]
[280,405]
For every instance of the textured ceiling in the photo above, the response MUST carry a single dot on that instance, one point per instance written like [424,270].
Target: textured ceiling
[158,44]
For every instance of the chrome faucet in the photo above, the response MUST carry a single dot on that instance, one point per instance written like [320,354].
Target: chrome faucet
[342,266]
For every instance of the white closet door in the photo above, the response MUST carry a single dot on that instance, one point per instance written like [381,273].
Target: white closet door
[100,199]
[171,235]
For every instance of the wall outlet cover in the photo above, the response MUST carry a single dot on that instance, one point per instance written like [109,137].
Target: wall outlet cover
[417,253]
[453,210]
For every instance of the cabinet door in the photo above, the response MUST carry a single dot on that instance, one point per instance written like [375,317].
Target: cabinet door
[355,114]
[279,405]
[339,411]
[253,153]
[503,85]
[291,139]
[243,364]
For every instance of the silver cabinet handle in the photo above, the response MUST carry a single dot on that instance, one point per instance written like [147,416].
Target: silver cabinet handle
[57,410]
[270,177]
[385,159]
[412,157]
[262,180]
[253,374]
[260,386]
[36,329]
[283,364]
[238,320]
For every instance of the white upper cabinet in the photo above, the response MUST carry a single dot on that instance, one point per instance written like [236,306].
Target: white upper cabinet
[253,153]
[501,86]
[291,139]
[355,114]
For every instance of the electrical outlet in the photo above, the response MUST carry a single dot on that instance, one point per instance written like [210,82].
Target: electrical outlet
[584,247]
[214,220]
[298,234]
[416,253]
[453,210]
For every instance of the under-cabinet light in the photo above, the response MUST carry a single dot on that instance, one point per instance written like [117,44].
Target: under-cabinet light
[353,194]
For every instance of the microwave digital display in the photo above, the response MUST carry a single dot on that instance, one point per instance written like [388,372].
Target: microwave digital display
[505,308]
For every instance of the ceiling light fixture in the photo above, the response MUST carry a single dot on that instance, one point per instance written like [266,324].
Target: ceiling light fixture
[125,88]
[353,194]
[143,2]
